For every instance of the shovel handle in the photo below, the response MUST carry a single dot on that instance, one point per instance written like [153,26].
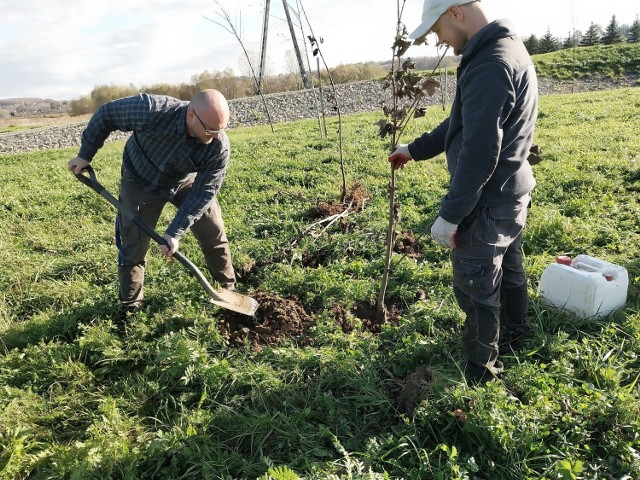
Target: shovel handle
[92,182]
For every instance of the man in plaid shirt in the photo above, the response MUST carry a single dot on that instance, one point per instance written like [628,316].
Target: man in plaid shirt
[178,153]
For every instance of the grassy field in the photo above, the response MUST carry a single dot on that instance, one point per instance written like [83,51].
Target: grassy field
[311,388]
[14,124]
[606,60]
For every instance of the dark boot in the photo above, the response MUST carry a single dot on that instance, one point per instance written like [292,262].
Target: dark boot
[479,375]
[125,314]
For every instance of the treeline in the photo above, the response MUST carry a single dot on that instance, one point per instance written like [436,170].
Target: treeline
[234,86]
[595,35]
[227,82]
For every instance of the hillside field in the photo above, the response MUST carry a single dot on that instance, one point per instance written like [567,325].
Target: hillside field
[312,387]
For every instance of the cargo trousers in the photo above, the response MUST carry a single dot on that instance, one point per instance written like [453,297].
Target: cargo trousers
[133,243]
[489,281]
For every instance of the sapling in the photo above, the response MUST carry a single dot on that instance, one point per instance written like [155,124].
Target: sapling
[407,89]
[315,46]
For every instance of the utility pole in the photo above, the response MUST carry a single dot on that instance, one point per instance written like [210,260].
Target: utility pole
[263,51]
[305,78]
[263,48]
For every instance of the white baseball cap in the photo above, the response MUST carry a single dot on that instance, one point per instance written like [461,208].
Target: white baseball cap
[431,12]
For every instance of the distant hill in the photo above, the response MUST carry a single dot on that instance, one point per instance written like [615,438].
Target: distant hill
[615,60]
[32,107]
[612,61]
[426,63]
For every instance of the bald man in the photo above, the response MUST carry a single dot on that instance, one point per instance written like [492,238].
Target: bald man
[178,153]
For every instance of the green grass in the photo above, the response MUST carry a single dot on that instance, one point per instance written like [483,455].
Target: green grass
[172,399]
[15,128]
[582,62]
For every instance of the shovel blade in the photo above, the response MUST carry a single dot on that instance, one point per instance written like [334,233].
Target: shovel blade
[235,302]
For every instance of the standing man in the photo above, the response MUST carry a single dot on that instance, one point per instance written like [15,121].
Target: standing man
[486,139]
[178,153]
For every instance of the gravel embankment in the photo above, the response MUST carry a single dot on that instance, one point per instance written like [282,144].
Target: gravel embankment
[354,97]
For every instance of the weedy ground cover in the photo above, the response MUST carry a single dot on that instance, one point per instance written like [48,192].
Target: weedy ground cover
[311,387]
[606,60]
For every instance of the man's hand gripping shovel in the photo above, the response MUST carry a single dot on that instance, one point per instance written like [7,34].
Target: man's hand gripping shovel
[224,298]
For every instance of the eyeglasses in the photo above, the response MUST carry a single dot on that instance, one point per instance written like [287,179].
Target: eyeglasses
[206,130]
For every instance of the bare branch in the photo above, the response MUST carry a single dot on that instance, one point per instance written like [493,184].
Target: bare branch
[236,30]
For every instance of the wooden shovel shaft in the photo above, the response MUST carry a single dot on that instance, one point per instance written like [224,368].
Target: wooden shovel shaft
[230,300]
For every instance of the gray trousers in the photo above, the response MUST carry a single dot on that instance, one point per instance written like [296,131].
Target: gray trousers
[133,243]
[489,279]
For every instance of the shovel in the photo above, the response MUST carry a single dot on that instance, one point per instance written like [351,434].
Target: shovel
[223,298]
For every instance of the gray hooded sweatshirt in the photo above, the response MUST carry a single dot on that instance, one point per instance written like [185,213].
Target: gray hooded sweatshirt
[489,132]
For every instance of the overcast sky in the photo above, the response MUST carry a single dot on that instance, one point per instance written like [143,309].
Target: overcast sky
[62,49]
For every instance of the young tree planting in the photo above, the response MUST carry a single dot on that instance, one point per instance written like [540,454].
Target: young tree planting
[407,89]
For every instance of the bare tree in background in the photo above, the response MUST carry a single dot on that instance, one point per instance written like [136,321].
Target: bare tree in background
[246,62]
[291,64]
[235,29]
[315,46]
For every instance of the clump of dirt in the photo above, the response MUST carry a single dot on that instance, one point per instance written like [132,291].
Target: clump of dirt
[276,320]
[407,244]
[356,197]
[342,318]
[327,208]
[407,397]
[314,259]
[245,271]
[368,313]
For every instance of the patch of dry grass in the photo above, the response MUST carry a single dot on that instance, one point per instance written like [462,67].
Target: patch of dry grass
[44,121]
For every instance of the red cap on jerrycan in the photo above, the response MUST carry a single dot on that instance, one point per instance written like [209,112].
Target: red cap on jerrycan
[563,260]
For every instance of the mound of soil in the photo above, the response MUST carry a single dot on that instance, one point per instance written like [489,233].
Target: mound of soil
[280,319]
[356,197]
[276,320]
[407,244]
[407,394]
[368,315]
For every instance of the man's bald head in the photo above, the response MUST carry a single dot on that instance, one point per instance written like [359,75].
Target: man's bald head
[212,108]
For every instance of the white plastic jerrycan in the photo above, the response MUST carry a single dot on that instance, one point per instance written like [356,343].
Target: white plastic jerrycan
[586,286]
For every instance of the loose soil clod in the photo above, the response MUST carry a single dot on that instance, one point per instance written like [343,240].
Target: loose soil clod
[368,313]
[277,320]
[357,196]
[408,245]
[342,318]
[408,397]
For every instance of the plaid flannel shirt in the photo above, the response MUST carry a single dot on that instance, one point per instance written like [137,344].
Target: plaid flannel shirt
[159,153]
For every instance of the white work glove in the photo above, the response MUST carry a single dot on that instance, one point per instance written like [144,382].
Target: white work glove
[400,156]
[443,233]
[171,247]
